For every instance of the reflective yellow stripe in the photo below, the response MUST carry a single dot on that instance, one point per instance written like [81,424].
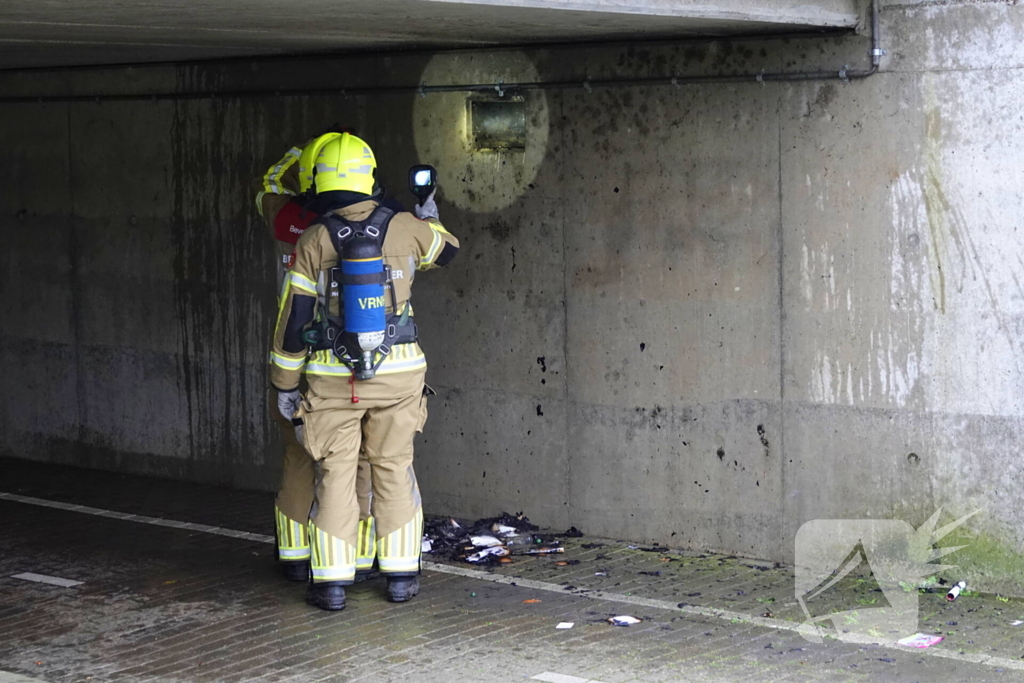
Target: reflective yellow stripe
[403,358]
[400,550]
[332,559]
[286,362]
[302,282]
[259,203]
[292,541]
[437,227]
[435,249]
[285,291]
[367,549]
[272,179]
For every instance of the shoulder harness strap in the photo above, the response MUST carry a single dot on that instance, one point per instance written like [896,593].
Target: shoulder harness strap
[342,230]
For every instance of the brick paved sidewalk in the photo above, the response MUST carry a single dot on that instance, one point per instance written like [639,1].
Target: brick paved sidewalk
[172,604]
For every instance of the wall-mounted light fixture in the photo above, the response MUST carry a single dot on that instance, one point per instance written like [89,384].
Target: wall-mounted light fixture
[497,124]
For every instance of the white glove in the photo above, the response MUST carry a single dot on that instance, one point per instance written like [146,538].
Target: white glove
[428,209]
[288,403]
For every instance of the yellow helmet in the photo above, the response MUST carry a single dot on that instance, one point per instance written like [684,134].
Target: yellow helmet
[344,162]
[307,160]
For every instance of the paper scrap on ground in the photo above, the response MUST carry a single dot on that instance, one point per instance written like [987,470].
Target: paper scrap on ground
[920,640]
[566,624]
[624,621]
[484,541]
[1018,622]
[486,552]
[426,546]
[43,578]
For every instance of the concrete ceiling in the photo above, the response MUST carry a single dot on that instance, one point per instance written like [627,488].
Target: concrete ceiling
[42,33]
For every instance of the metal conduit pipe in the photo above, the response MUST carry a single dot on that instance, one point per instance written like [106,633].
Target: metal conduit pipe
[500,88]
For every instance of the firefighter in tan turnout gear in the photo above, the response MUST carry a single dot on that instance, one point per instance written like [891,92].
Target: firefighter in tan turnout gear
[280,200]
[346,321]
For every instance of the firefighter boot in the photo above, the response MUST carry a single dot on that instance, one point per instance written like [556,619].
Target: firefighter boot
[402,588]
[296,571]
[326,596]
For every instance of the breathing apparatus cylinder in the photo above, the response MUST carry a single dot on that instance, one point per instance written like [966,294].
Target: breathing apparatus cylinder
[362,268]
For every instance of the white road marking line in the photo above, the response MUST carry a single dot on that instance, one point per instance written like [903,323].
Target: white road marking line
[10,677]
[156,521]
[43,578]
[708,612]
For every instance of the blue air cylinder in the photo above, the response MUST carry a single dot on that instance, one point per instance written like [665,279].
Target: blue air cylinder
[362,268]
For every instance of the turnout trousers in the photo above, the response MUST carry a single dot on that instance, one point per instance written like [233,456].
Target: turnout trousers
[295,499]
[381,426]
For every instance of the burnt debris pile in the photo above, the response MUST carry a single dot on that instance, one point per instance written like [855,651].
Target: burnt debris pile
[489,541]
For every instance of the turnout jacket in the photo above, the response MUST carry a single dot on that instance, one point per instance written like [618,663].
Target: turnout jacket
[410,245]
[276,192]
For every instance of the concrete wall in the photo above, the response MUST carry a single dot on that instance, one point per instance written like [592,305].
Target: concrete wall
[695,315]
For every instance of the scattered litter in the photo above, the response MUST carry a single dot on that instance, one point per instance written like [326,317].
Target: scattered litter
[543,551]
[510,534]
[573,532]
[650,573]
[427,546]
[1018,622]
[444,535]
[654,549]
[768,615]
[484,541]
[566,563]
[472,595]
[920,640]
[603,572]
[496,551]
[523,540]
[623,621]
[955,591]
[693,595]
[566,624]
[531,601]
